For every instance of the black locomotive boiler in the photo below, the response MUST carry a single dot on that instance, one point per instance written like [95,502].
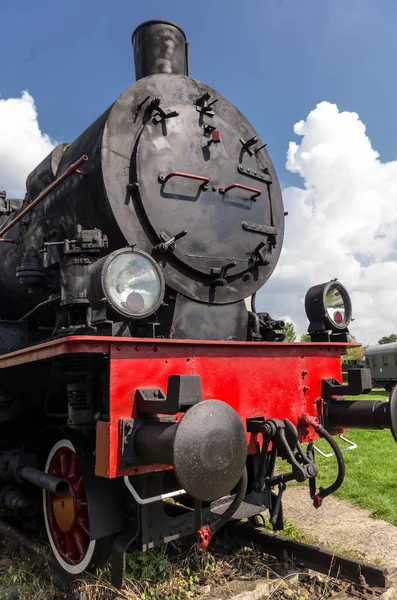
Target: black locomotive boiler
[132,371]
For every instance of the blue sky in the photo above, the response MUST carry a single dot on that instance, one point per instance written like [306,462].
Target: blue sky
[274,59]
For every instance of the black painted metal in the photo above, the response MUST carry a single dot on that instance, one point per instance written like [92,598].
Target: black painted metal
[159,47]
[207,448]
[363,414]
[182,392]
[44,481]
[358,382]
[313,557]
[153,442]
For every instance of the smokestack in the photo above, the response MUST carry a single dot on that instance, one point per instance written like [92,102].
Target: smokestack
[160,47]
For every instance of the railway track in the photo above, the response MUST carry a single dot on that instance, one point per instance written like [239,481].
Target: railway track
[312,557]
[35,551]
[316,558]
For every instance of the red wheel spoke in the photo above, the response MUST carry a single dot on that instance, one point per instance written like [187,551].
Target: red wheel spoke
[70,545]
[84,527]
[73,470]
[79,487]
[80,542]
[64,463]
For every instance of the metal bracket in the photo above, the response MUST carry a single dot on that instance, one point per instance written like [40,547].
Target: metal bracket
[183,391]
[260,176]
[358,382]
[258,228]
[220,274]
[202,105]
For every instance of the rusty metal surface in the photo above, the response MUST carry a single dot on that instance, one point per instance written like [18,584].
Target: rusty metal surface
[313,557]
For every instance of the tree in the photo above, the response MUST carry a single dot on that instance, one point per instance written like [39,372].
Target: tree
[289,332]
[388,339]
[354,354]
[305,337]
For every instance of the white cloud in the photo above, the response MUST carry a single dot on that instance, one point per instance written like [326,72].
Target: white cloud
[342,223]
[22,144]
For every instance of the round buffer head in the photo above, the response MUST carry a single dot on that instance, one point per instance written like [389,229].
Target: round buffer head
[209,450]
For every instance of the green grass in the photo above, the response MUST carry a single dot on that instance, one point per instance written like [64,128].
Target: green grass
[371,469]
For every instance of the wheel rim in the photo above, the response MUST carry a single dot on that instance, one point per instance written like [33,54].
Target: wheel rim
[66,517]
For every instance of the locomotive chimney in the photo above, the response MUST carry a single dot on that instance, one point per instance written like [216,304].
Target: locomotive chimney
[160,47]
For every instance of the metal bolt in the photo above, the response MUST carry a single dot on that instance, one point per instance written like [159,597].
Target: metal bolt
[240,168]
[254,172]
[246,276]
[248,171]
[262,175]
[214,188]
[306,388]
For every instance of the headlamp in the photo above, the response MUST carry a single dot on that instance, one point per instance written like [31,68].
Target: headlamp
[328,307]
[127,281]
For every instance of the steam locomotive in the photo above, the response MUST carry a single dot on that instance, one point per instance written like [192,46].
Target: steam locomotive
[132,371]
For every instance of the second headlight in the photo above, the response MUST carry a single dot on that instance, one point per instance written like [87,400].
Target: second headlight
[129,282]
[328,307]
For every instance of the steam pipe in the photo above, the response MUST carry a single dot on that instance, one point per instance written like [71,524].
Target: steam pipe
[71,169]
[46,481]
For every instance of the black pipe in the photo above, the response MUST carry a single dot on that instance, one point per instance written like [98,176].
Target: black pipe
[48,302]
[44,480]
[159,47]
[341,466]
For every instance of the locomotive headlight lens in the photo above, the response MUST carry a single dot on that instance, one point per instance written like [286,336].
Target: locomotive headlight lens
[328,307]
[130,281]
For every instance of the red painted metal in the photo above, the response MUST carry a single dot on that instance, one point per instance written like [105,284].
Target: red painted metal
[240,186]
[71,169]
[216,136]
[270,379]
[68,524]
[6,241]
[256,379]
[202,178]
[205,535]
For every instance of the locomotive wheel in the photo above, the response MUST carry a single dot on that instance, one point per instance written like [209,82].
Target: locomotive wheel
[66,518]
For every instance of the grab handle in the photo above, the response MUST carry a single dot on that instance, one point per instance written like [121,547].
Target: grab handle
[240,186]
[203,186]
[351,446]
